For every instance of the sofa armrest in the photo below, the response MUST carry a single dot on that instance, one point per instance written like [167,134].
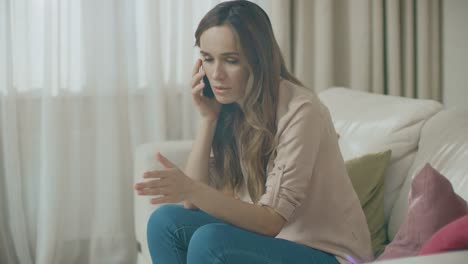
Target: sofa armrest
[145,160]
[456,257]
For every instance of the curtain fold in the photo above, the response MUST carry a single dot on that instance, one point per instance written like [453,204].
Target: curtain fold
[381,46]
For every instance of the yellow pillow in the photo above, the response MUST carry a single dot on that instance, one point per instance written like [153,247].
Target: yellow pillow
[366,175]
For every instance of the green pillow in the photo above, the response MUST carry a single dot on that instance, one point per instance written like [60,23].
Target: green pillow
[366,175]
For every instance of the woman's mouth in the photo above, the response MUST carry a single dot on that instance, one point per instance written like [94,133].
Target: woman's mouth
[220,89]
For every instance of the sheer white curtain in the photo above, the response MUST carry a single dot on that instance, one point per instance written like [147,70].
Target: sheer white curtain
[82,83]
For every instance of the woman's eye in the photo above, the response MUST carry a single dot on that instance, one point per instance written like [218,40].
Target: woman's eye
[230,61]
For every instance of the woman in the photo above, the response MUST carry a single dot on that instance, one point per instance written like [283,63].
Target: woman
[275,189]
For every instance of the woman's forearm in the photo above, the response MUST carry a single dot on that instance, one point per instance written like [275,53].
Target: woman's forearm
[248,216]
[197,163]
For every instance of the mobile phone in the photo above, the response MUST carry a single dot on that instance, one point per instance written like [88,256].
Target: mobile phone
[207,91]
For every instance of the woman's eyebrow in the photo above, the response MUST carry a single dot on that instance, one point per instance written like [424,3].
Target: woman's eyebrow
[204,53]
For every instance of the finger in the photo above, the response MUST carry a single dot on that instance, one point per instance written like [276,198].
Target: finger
[164,161]
[190,206]
[196,67]
[143,185]
[196,79]
[153,191]
[162,182]
[157,174]
[163,199]
[153,174]
[156,184]
[197,89]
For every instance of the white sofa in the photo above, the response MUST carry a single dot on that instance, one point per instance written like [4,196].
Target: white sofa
[417,131]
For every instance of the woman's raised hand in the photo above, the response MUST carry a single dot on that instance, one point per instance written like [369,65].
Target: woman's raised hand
[208,107]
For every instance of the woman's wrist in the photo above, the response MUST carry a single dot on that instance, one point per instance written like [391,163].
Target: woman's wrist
[208,127]
[195,189]
[209,122]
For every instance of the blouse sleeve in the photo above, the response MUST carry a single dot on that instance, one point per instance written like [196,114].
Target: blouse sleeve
[298,146]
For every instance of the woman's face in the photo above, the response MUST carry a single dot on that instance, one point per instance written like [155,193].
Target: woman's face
[223,64]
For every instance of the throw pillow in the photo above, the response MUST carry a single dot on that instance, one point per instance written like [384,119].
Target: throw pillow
[453,236]
[432,205]
[366,174]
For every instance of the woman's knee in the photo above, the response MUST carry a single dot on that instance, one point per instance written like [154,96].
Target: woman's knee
[206,243]
[164,216]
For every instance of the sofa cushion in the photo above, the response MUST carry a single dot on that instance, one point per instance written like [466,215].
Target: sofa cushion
[370,123]
[444,144]
[451,237]
[366,174]
[433,204]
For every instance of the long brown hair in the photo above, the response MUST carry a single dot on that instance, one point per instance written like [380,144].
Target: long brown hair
[244,139]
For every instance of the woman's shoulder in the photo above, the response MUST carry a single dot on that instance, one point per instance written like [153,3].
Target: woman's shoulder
[296,101]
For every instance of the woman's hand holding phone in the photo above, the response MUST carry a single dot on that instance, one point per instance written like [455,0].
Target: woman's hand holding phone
[208,107]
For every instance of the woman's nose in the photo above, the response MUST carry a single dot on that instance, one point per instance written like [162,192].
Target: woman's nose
[218,72]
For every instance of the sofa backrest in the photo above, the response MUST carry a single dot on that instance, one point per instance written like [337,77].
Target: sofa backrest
[443,144]
[370,123]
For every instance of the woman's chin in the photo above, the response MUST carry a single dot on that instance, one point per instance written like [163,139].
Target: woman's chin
[224,100]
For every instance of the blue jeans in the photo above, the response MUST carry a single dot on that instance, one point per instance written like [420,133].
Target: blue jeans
[178,235]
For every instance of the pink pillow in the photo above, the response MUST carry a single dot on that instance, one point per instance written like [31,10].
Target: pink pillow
[453,236]
[432,205]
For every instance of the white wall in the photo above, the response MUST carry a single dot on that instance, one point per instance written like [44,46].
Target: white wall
[455,52]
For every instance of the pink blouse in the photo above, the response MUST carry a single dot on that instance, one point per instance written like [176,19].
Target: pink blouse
[307,182]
